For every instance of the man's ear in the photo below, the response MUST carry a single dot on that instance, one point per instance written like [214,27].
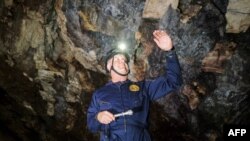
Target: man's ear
[109,64]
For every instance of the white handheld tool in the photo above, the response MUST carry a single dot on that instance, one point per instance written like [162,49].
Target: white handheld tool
[128,112]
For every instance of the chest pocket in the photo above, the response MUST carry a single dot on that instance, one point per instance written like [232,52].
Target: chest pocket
[104,105]
[136,99]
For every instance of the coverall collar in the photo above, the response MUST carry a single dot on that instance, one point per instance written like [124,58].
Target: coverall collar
[118,83]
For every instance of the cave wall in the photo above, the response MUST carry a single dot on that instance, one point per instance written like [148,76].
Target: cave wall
[51,60]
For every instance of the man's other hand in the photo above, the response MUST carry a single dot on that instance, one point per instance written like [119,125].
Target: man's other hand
[163,40]
[105,117]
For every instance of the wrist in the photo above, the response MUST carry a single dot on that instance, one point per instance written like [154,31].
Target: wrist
[170,52]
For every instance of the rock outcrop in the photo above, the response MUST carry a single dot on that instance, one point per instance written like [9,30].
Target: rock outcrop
[51,61]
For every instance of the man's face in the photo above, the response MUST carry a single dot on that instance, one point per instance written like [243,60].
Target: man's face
[119,63]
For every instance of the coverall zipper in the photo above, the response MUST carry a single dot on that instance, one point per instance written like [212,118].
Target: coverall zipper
[124,117]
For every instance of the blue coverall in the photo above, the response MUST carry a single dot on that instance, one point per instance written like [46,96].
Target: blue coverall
[122,96]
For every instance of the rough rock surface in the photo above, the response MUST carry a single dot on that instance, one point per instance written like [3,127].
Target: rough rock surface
[51,61]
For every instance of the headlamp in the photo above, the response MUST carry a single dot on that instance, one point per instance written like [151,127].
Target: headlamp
[122,46]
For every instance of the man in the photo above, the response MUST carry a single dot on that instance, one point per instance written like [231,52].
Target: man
[107,111]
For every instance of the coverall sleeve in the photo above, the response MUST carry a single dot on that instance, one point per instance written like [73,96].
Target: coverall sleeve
[170,81]
[93,124]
